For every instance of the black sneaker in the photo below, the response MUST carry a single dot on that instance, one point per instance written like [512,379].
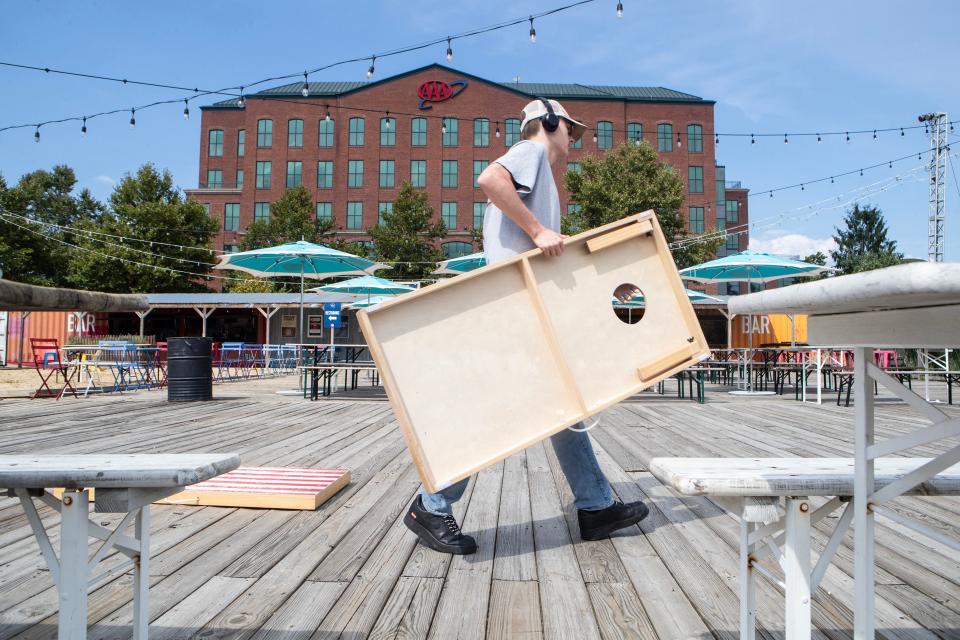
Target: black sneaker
[596,525]
[440,533]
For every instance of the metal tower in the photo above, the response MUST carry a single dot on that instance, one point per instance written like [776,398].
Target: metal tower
[936,125]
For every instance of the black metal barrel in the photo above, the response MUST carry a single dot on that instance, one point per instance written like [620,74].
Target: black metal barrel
[189,369]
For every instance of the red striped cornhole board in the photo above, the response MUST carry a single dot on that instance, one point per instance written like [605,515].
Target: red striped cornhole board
[266,488]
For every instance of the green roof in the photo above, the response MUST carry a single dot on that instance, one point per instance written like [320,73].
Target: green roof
[529,89]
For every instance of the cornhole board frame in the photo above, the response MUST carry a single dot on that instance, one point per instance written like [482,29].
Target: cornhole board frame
[485,364]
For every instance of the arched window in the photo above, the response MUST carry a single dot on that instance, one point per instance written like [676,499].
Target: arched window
[634,132]
[388,132]
[456,249]
[664,137]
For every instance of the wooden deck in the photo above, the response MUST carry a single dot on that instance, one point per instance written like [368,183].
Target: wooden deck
[351,570]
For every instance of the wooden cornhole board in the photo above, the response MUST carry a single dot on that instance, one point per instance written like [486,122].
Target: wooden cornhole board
[482,365]
[263,488]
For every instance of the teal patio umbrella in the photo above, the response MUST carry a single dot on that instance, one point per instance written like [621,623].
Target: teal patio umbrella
[462,264]
[369,302]
[751,266]
[369,285]
[306,259]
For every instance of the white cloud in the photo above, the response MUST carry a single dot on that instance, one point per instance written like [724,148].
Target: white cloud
[793,244]
[107,180]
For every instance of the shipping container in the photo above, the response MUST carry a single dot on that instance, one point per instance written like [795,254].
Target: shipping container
[21,326]
[773,329]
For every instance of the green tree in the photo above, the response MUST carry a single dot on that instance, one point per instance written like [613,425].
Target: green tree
[628,180]
[292,218]
[863,245]
[175,237]
[407,235]
[34,243]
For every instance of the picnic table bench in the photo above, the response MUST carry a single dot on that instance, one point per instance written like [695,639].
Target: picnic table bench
[327,372]
[124,484]
[752,489]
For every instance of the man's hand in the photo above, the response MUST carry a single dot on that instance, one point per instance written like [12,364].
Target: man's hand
[550,241]
[624,292]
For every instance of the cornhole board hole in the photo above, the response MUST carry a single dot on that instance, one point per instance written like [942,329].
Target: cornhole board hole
[263,488]
[484,364]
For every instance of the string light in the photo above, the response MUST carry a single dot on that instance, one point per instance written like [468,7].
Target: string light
[831,179]
[186,109]
[241,102]
[387,120]
[533,32]
[449,51]
[801,187]
[716,138]
[874,134]
[679,144]
[819,139]
[785,141]
[327,117]
[133,118]
[83,129]
[861,173]
[901,132]
[848,136]
[305,92]
[594,135]
[619,9]
[497,134]
[752,139]
[36,134]
[373,62]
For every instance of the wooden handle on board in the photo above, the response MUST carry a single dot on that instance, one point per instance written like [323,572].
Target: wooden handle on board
[666,363]
[620,235]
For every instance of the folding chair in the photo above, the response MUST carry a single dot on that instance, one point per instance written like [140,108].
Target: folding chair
[46,360]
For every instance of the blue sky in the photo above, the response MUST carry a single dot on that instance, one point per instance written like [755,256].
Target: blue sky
[772,67]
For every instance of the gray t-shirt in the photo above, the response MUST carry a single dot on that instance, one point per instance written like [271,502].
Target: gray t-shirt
[528,165]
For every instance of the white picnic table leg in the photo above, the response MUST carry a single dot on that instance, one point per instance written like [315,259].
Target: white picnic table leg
[73,566]
[748,589]
[141,575]
[863,563]
[796,568]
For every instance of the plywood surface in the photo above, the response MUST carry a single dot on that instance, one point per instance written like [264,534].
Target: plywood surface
[266,488]
[484,364]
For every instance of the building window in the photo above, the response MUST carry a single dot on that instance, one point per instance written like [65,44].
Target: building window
[325,174]
[481,132]
[264,133]
[241,142]
[324,211]
[733,211]
[478,167]
[214,179]
[696,219]
[448,212]
[634,132]
[382,208]
[573,208]
[573,166]
[451,132]
[720,178]
[418,132]
[215,146]
[511,131]
[694,138]
[478,210]
[578,144]
[604,135]
[206,207]
[733,242]
[354,215]
[418,173]
[695,179]
[387,171]
[264,167]
[295,133]
[231,216]
[294,173]
[230,248]
[325,137]
[388,132]
[664,137]
[261,212]
[449,175]
[355,173]
[239,178]
[457,249]
[356,132]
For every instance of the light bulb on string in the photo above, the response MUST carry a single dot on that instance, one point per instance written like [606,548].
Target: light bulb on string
[186,109]
[36,134]
[874,134]
[861,173]
[831,179]
[679,144]
[951,127]
[305,92]
[327,117]
[533,32]
[443,126]
[449,51]
[373,62]
[497,134]
[848,135]
[716,139]
[619,9]
[819,139]
[241,102]
[801,187]
[83,129]
[387,121]
[594,136]
[752,139]
[890,166]
[771,194]
[133,118]
[901,132]
[785,140]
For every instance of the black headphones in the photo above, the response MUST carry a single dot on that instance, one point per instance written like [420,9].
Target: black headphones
[551,121]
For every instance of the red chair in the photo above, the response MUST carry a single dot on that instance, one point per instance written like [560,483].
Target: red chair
[47,362]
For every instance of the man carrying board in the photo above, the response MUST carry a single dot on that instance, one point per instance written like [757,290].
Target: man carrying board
[523,212]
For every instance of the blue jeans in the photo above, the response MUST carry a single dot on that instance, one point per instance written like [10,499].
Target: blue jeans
[574,452]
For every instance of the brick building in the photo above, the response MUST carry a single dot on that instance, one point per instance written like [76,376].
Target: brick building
[354,143]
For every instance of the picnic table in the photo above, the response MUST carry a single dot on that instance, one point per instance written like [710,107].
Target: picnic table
[914,305]
[124,483]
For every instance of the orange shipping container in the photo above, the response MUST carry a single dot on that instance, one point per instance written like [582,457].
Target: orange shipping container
[48,324]
[767,329]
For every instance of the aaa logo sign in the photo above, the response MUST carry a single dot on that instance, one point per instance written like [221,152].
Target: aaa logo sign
[438,91]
